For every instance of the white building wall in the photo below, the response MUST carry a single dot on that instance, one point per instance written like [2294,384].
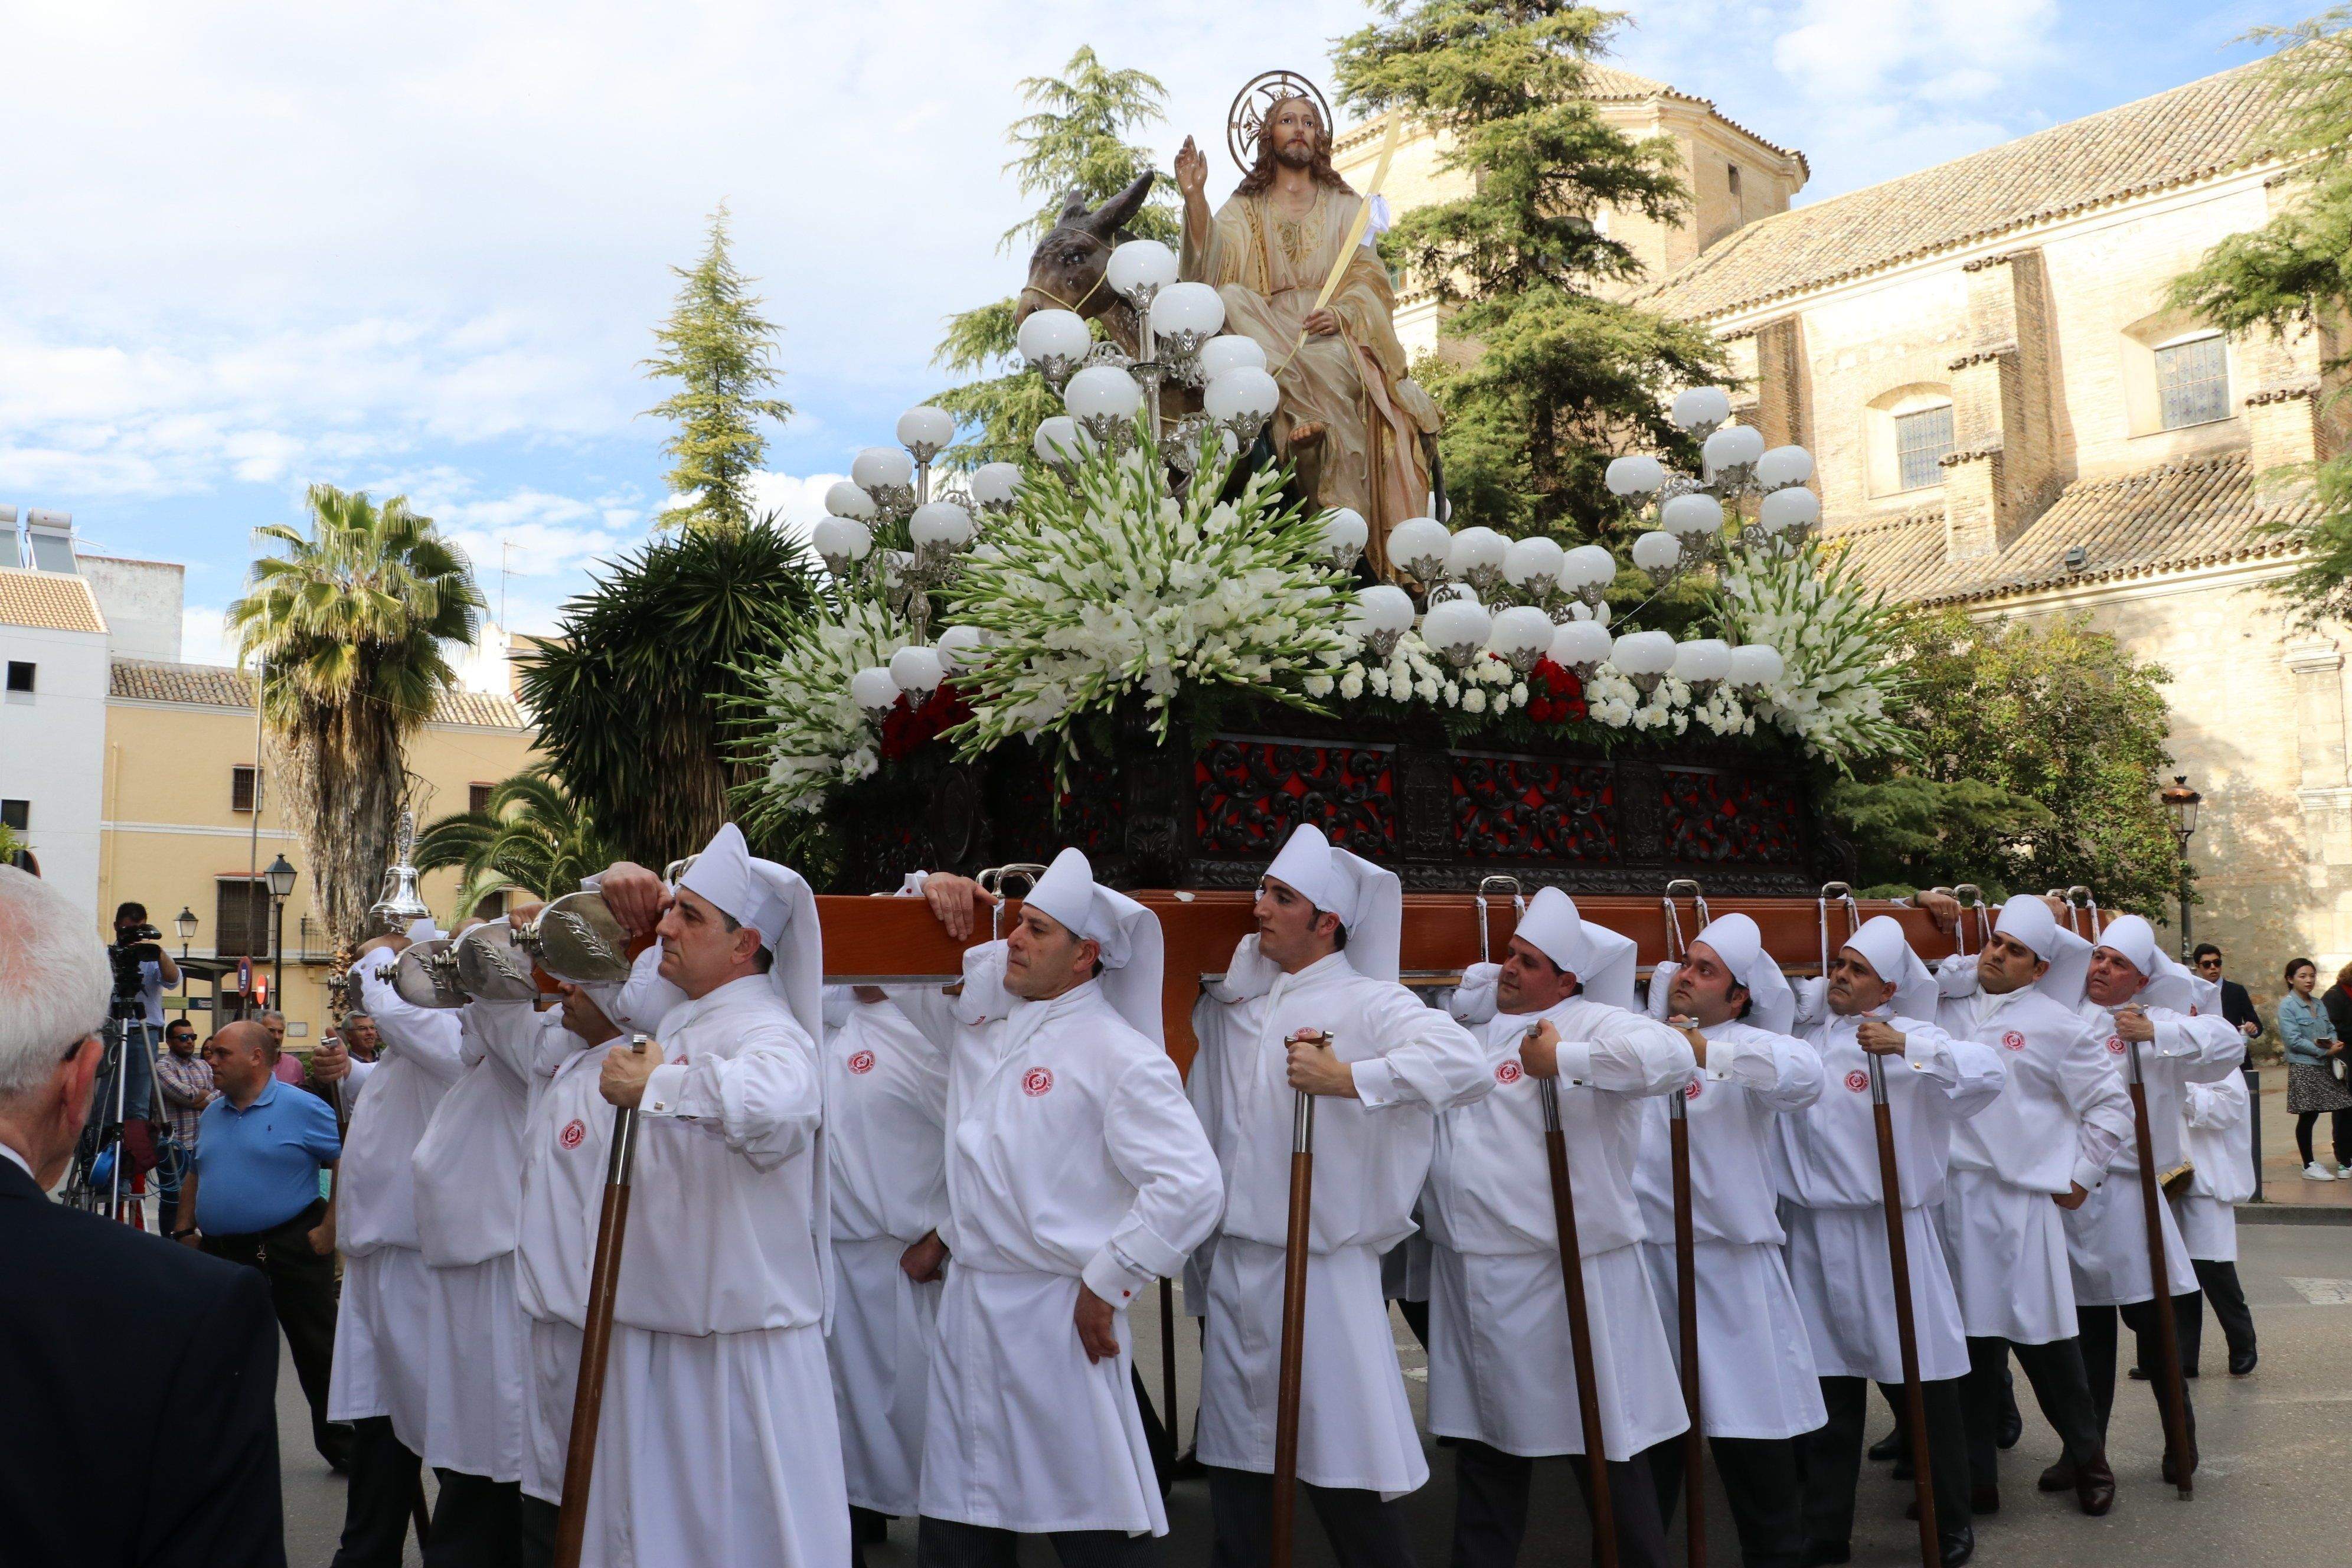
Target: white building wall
[141,601]
[52,750]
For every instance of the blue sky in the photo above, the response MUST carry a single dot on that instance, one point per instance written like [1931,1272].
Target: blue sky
[419,247]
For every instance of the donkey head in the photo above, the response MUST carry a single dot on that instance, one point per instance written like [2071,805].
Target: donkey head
[1066,271]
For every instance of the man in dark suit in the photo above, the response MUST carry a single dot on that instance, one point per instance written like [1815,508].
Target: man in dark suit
[2236,1004]
[141,1378]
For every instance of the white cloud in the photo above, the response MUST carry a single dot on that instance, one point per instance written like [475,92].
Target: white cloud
[798,501]
[203,636]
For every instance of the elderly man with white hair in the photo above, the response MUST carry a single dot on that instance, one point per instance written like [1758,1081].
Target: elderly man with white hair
[110,1333]
[1502,1379]
[2035,1153]
[1310,1002]
[1758,1390]
[719,1442]
[1076,1174]
[2133,994]
[1881,1003]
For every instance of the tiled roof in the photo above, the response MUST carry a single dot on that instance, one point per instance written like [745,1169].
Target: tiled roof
[1608,84]
[2206,128]
[2203,512]
[216,686]
[52,601]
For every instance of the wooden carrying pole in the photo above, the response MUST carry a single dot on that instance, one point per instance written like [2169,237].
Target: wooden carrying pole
[1898,1260]
[2171,1391]
[1294,1323]
[1580,1328]
[596,1335]
[1686,1272]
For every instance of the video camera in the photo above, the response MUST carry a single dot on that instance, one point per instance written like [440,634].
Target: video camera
[133,946]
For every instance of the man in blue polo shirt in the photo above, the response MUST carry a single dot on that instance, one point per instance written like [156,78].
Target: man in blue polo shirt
[253,1189]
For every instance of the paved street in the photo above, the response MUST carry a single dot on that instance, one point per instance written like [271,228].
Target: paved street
[2276,1445]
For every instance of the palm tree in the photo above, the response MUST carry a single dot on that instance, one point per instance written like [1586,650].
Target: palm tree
[352,622]
[532,836]
[635,693]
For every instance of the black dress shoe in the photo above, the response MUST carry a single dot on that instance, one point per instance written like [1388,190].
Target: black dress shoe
[1903,1471]
[1890,1446]
[1958,1546]
[2242,1364]
[2012,1426]
[2058,1478]
[1823,1553]
[2171,1470]
[2095,1487]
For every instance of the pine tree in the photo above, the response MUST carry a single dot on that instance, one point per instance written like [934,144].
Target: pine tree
[720,349]
[2294,275]
[1075,140]
[1541,381]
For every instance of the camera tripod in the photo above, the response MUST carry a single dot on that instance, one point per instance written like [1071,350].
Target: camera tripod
[126,1023]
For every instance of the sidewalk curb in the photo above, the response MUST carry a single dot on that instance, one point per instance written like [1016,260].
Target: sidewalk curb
[2294,1214]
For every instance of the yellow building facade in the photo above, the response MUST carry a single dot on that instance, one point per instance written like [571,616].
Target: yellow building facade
[181,829]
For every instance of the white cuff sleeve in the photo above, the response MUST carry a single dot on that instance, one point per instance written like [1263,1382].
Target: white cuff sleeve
[1376,1082]
[667,1094]
[1575,1059]
[1112,1276]
[2087,1176]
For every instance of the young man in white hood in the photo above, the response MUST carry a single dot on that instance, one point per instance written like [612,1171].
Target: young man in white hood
[1311,1004]
[1076,1174]
[1881,1003]
[1758,1389]
[1502,1379]
[2019,1166]
[718,1441]
[2133,994]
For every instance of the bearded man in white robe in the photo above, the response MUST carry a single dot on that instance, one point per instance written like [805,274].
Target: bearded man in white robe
[1349,419]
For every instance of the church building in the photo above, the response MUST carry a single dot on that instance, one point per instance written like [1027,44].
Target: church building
[2008,419]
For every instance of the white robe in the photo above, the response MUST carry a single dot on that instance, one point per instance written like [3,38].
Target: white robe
[2106,1238]
[1371,1154]
[1073,1159]
[2057,1121]
[718,1441]
[1828,1167]
[2217,1133]
[469,1175]
[1501,1367]
[382,1343]
[1756,1358]
[885,1109]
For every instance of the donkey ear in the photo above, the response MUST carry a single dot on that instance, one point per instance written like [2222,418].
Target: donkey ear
[1075,208]
[1115,214]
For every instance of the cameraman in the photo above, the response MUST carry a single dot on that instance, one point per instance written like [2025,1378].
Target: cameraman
[142,970]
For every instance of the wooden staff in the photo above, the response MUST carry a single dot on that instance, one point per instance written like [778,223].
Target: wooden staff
[2173,1394]
[1168,1365]
[1580,1327]
[596,1335]
[1898,1259]
[1294,1320]
[1686,1272]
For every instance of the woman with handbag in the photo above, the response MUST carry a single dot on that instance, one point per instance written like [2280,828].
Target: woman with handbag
[2314,1032]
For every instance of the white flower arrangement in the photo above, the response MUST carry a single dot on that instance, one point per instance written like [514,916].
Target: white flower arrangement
[1101,585]
[818,737]
[1837,682]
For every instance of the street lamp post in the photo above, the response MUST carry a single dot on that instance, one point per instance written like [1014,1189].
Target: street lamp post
[2181,802]
[281,878]
[185,922]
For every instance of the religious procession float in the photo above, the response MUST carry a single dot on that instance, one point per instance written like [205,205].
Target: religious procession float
[1222,598]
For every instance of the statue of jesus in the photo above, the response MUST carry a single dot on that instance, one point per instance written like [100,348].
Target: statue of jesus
[1350,421]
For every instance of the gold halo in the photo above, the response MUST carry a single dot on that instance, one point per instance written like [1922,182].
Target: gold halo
[1259,94]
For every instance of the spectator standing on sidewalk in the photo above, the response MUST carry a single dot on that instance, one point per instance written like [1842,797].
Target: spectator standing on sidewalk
[253,1191]
[2236,1004]
[2314,1055]
[186,1084]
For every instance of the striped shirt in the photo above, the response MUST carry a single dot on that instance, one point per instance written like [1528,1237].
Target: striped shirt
[186,1080]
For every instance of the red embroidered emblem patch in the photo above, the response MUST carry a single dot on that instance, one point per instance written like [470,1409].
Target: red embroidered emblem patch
[1690,1090]
[2013,1040]
[863,1062]
[1509,1072]
[573,1132]
[2116,1044]
[1857,1080]
[1036,1081]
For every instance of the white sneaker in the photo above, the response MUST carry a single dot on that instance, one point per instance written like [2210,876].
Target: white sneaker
[2315,1171]
[2344,1172]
